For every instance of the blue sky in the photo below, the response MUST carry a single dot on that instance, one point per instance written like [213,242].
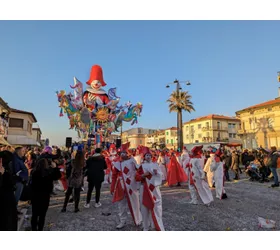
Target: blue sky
[231,65]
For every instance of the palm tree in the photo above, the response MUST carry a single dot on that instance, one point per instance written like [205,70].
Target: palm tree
[180,101]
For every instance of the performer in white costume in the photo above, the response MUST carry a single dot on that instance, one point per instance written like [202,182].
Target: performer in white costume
[217,167]
[125,188]
[150,176]
[138,156]
[197,179]
[185,159]
[210,174]
[162,165]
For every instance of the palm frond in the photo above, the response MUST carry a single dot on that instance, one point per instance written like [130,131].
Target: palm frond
[181,101]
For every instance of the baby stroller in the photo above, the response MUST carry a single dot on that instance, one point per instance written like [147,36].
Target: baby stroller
[253,171]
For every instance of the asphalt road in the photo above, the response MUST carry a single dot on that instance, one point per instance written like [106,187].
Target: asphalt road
[246,202]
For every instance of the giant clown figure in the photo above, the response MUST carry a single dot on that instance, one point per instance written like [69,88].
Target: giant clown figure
[94,95]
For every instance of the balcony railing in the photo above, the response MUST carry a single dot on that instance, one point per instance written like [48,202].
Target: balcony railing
[241,131]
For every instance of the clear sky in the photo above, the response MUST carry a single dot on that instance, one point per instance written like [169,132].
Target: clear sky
[231,65]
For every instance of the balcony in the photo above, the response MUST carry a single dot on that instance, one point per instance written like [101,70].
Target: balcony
[241,131]
[206,128]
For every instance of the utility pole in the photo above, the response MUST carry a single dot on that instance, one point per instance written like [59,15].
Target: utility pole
[179,115]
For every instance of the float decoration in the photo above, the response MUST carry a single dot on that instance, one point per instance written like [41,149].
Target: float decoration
[93,111]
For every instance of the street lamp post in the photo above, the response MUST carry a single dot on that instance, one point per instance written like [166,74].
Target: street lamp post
[179,115]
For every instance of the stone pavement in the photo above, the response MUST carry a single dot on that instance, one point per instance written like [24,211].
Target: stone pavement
[246,201]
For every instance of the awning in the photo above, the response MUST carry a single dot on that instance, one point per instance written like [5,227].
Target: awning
[4,142]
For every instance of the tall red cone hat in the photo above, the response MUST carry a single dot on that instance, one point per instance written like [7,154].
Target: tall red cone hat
[96,73]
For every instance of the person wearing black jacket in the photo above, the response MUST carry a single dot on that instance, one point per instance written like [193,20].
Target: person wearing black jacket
[8,207]
[227,160]
[95,167]
[41,187]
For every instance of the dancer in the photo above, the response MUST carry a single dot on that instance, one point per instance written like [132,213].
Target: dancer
[124,188]
[175,174]
[162,165]
[197,179]
[150,176]
[210,174]
[217,167]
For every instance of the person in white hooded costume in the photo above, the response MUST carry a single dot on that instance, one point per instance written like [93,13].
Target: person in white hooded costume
[217,168]
[185,159]
[207,170]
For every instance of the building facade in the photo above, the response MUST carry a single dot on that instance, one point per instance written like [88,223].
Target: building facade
[211,128]
[136,136]
[171,138]
[20,128]
[260,125]
[156,139]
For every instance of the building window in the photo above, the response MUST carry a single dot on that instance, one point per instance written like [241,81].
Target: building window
[172,141]
[187,127]
[167,133]
[187,136]
[140,141]
[232,135]
[167,141]
[269,109]
[199,126]
[140,131]
[219,125]
[199,136]
[207,134]
[207,124]
[15,123]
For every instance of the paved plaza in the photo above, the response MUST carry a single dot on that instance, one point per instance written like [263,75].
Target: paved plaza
[246,201]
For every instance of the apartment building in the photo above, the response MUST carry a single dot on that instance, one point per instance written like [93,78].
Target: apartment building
[211,128]
[260,125]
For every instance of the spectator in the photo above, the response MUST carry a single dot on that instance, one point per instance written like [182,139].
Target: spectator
[41,186]
[20,172]
[272,164]
[95,167]
[8,208]
[234,165]
[75,181]
[227,161]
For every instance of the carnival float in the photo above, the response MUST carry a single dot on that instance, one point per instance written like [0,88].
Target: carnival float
[93,112]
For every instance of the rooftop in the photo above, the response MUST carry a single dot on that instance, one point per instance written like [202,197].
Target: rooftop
[24,112]
[172,128]
[4,104]
[261,105]
[211,117]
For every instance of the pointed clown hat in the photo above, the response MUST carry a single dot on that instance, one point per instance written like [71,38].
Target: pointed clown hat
[125,147]
[96,73]
[145,150]
[196,149]
[112,149]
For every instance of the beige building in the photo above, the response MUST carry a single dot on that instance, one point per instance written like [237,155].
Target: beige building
[171,138]
[211,128]
[136,136]
[260,125]
[20,128]
[156,139]
[4,121]
[37,135]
